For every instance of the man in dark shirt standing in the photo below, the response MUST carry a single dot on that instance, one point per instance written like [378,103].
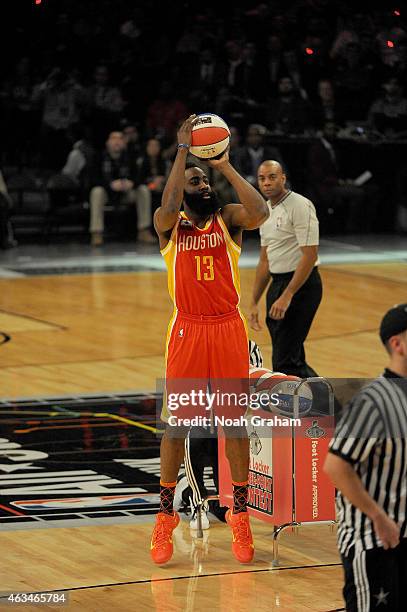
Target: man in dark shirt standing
[114,183]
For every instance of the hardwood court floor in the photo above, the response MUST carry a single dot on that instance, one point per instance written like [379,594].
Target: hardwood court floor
[109,568]
[105,332]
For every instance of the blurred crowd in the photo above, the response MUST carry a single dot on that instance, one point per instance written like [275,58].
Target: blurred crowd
[78,72]
[98,63]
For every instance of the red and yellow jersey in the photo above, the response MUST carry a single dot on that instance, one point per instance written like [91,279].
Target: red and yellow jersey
[202,264]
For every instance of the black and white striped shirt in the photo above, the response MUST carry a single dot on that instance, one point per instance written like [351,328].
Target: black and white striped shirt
[255,355]
[372,436]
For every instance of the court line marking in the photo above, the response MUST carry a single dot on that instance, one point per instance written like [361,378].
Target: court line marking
[116,417]
[30,318]
[104,415]
[11,510]
[347,334]
[74,362]
[78,415]
[337,270]
[148,580]
[364,275]
[78,398]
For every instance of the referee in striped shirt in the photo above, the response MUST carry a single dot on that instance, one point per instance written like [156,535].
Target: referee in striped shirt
[367,463]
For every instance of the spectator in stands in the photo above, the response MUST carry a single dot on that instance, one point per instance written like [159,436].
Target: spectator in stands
[388,114]
[79,165]
[249,157]
[399,69]
[391,30]
[243,88]
[7,240]
[354,81]
[62,100]
[190,40]
[20,119]
[346,34]
[164,113]
[315,63]
[234,144]
[331,192]
[240,69]
[153,170]
[115,182]
[105,102]
[274,64]
[325,108]
[367,46]
[234,66]
[289,114]
[204,78]
[131,137]
[400,181]
[207,70]
[230,100]
[158,57]
[251,74]
[292,69]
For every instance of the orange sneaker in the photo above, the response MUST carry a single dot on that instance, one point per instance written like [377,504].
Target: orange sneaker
[242,542]
[161,548]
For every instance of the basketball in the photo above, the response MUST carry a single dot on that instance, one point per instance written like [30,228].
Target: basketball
[260,378]
[282,387]
[210,136]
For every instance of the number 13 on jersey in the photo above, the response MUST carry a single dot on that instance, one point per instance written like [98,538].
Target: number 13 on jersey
[204,268]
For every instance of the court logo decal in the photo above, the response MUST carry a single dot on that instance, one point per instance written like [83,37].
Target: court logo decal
[78,459]
[315,431]
[255,443]
[85,502]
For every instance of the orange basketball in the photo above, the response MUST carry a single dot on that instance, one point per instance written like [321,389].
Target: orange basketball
[210,136]
[263,379]
[282,386]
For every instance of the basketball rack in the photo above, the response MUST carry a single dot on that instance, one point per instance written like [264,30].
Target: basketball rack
[295,522]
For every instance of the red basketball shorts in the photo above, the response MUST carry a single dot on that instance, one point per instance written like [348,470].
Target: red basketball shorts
[207,354]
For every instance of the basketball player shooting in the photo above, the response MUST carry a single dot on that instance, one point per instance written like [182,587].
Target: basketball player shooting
[207,338]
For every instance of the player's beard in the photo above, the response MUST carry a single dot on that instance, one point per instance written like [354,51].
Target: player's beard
[202,206]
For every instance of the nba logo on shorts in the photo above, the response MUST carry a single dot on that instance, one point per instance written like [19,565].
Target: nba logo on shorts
[181,332]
